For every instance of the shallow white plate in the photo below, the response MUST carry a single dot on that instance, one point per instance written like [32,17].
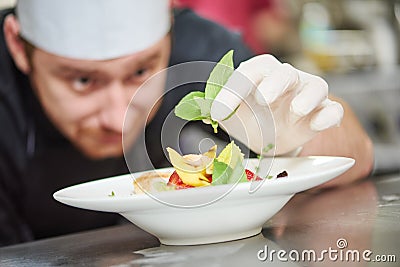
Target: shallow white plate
[208,214]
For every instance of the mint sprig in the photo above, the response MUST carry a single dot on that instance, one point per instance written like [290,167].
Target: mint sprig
[228,166]
[197,105]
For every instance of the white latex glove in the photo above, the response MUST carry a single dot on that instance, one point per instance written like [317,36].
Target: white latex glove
[279,105]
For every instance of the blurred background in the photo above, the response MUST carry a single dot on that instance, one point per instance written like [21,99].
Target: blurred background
[6,3]
[353,44]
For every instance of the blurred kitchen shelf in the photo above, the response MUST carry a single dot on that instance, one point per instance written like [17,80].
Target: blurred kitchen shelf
[374,95]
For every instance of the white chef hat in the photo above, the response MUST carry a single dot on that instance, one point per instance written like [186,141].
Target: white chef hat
[93,29]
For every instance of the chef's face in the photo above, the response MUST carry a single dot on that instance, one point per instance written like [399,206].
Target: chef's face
[87,100]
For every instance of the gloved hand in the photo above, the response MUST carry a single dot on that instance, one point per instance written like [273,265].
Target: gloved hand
[277,104]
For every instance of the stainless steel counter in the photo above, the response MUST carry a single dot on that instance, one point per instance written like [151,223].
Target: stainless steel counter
[355,225]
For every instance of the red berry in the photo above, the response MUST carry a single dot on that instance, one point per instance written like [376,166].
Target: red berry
[209,178]
[250,175]
[175,180]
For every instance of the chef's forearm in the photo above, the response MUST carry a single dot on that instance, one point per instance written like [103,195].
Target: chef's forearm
[348,140]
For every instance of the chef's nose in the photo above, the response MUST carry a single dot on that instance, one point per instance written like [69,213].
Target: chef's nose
[115,104]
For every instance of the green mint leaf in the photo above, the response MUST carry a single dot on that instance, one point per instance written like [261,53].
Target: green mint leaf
[197,105]
[190,108]
[221,173]
[232,170]
[219,75]
[238,174]
[204,105]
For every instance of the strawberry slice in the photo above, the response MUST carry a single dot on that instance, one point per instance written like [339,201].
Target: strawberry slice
[175,180]
[250,176]
[209,178]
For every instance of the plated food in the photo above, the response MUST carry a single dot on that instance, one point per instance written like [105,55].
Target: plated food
[172,216]
[200,170]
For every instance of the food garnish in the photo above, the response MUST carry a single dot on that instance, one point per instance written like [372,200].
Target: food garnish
[282,174]
[194,170]
[199,170]
[197,105]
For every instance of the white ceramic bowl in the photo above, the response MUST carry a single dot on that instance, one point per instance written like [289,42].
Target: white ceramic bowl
[208,214]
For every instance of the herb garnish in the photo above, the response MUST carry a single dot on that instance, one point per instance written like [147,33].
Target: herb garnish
[197,105]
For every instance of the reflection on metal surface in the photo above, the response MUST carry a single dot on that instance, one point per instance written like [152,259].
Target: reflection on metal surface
[391,198]
[236,253]
[315,221]
[356,215]
[311,221]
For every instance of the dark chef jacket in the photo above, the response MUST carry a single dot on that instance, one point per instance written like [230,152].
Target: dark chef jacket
[36,160]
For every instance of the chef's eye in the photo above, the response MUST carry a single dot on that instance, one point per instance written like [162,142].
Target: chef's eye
[139,76]
[82,84]
[141,72]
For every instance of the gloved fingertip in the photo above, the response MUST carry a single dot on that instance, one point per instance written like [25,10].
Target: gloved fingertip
[300,109]
[328,117]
